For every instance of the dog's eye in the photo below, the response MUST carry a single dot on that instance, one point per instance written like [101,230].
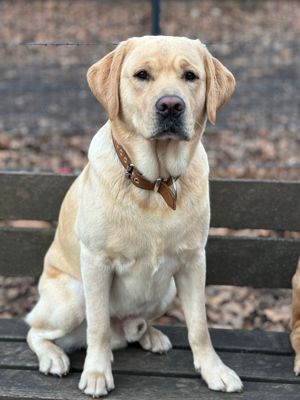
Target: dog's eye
[143,75]
[190,76]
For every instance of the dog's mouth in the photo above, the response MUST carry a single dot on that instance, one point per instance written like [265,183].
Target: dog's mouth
[170,129]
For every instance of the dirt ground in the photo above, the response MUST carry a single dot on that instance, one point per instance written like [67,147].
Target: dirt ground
[48,115]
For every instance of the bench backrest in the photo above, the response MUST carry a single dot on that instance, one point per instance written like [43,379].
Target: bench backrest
[232,260]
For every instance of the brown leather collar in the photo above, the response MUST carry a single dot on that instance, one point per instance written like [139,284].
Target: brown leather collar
[165,187]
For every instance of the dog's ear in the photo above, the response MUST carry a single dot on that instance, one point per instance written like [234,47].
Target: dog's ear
[220,84]
[104,79]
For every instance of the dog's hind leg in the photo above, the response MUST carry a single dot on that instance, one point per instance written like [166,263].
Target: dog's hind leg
[155,341]
[58,312]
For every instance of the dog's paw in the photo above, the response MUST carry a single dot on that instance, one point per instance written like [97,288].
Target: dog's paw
[96,383]
[134,328]
[54,363]
[220,378]
[155,341]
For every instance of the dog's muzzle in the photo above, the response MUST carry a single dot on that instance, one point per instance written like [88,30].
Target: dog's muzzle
[169,112]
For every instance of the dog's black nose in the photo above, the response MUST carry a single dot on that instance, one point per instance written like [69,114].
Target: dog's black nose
[170,106]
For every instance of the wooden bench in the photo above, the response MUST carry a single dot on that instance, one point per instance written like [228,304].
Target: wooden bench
[264,360]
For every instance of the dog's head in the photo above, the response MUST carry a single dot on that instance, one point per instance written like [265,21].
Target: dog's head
[161,87]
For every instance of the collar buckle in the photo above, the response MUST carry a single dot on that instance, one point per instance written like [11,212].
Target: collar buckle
[129,171]
[157,184]
[174,187]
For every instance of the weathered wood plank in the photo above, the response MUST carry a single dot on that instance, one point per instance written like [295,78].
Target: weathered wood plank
[18,384]
[13,329]
[223,339]
[235,203]
[256,262]
[235,340]
[263,262]
[255,204]
[32,196]
[250,366]
[22,250]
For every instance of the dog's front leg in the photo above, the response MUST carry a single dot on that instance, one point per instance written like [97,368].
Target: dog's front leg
[190,282]
[96,379]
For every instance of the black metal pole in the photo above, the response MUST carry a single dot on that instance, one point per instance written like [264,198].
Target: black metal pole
[155,29]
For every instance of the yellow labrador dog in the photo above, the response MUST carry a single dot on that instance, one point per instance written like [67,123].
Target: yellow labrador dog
[133,227]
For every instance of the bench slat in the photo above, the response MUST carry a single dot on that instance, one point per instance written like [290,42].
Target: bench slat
[22,250]
[179,363]
[223,339]
[14,385]
[231,260]
[255,204]
[32,196]
[235,204]
[255,262]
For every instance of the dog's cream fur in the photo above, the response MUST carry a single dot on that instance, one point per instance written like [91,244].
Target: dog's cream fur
[120,254]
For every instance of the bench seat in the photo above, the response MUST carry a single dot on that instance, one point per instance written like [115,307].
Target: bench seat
[264,360]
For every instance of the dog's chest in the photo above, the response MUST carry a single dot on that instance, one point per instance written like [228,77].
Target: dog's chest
[145,252]
[150,249]
[142,282]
